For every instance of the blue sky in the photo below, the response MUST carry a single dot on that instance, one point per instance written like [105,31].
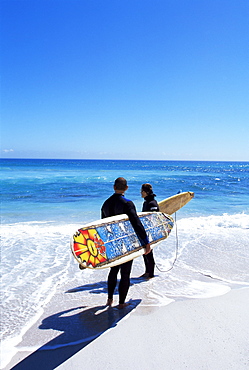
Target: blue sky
[125,79]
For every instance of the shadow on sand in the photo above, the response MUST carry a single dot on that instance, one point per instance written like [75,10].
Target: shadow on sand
[101,286]
[79,327]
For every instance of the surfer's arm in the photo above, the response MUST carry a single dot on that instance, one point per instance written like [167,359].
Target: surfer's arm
[103,213]
[147,249]
[136,223]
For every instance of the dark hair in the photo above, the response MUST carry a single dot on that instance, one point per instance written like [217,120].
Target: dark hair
[120,183]
[147,188]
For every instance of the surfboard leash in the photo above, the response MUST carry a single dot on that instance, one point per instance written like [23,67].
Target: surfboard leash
[176,256]
[176,253]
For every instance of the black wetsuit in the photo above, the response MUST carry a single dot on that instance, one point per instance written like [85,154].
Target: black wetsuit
[117,204]
[150,205]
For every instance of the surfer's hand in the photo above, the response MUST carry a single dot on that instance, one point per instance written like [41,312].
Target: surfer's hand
[147,249]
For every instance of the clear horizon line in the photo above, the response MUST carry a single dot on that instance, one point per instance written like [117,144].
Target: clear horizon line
[139,160]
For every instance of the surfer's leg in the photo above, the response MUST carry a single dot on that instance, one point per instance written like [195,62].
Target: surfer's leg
[150,264]
[146,274]
[124,283]
[112,281]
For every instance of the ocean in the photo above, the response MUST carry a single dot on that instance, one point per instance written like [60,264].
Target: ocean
[43,202]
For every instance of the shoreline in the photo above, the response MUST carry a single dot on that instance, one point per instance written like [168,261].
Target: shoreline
[200,333]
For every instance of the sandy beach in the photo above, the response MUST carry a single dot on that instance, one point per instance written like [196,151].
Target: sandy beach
[210,333]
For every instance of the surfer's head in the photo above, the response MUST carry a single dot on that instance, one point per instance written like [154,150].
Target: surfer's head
[147,188]
[120,184]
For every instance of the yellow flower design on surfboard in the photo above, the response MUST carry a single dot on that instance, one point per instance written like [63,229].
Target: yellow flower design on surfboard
[89,247]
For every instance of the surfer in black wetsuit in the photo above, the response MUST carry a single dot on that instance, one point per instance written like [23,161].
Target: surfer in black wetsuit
[115,205]
[150,205]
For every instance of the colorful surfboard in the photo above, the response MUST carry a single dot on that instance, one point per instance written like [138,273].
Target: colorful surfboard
[112,241]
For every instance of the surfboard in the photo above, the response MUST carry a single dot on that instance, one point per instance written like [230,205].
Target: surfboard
[113,241]
[174,203]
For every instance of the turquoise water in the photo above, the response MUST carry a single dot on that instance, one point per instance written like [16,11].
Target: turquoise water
[43,202]
[63,190]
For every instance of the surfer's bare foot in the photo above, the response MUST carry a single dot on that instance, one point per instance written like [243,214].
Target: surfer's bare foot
[122,305]
[145,275]
[109,302]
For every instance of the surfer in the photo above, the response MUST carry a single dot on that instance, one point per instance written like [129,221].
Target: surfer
[117,204]
[150,205]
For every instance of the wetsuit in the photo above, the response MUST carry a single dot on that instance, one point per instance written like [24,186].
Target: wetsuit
[150,205]
[117,204]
